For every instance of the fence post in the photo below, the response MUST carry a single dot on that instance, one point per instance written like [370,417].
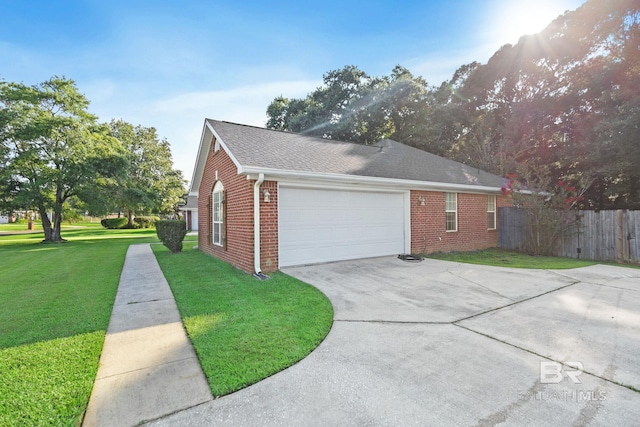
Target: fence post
[620,235]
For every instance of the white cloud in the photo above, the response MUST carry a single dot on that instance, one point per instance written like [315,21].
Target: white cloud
[237,99]
[180,117]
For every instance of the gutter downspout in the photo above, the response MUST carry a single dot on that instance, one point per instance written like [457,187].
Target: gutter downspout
[256,226]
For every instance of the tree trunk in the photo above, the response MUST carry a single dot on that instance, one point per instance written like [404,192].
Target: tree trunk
[57,224]
[46,224]
[52,228]
[130,217]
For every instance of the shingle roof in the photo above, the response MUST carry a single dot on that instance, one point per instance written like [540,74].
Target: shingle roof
[192,203]
[266,148]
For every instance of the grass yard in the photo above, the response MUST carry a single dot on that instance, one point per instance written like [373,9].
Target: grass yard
[243,329]
[502,258]
[37,226]
[19,227]
[55,305]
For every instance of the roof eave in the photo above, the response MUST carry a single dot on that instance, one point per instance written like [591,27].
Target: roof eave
[198,170]
[279,174]
[224,146]
[208,131]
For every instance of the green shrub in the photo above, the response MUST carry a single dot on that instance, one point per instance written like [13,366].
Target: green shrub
[114,223]
[146,221]
[71,216]
[171,234]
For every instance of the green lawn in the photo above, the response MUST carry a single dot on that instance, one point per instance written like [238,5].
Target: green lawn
[243,329]
[56,301]
[502,258]
[37,226]
[55,305]
[18,227]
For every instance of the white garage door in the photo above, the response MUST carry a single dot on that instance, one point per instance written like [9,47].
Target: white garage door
[318,225]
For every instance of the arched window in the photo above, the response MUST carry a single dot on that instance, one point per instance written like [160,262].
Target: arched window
[218,213]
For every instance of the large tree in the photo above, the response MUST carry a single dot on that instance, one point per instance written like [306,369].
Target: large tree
[149,183]
[566,98]
[353,106]
[344,108]
[51,148]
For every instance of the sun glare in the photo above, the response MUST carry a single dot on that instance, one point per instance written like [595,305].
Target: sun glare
[512,19]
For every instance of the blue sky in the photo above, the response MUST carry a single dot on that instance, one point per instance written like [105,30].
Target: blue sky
[170,64]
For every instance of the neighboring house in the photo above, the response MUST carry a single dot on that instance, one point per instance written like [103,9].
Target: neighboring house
[269,199]
[190,210]
[4,219]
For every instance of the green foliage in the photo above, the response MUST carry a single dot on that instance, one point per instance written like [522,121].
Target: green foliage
[565,98]
[548,207]
[53,152]
[353,106]
[243,330]
[51,147]
[171,233]
[71,214]
[114,223]
[146,221]
[148,183]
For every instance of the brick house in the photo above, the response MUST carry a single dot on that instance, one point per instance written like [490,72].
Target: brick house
[269,199]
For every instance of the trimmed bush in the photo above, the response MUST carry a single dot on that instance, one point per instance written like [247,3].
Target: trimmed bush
[171,234]
[114,223]
[146,221]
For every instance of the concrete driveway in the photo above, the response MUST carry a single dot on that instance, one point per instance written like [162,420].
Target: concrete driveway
[441,343]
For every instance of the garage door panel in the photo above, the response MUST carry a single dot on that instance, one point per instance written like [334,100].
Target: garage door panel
[311,237]
[328,225]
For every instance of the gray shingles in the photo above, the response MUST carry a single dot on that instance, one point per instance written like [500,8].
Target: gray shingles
[267,148]
[192,203]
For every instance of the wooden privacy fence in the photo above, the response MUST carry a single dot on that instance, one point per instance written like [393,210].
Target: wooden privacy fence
[598,236]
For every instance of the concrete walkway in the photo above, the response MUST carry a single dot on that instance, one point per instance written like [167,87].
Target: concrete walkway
[148,368]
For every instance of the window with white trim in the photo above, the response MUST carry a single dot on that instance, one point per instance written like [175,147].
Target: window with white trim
[451,211]
[491,213]
[218,213]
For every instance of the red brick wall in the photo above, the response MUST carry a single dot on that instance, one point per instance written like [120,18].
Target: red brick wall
[428,232]
[269,227]
[239,214]
[238,250]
